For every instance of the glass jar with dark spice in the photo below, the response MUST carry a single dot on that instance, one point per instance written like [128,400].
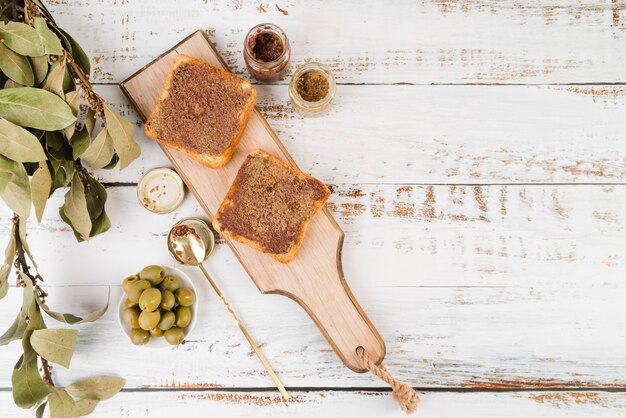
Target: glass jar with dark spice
[312,89]
[267,52]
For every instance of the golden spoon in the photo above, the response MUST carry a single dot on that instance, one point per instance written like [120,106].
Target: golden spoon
[190,242]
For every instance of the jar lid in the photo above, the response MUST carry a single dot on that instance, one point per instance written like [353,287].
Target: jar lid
[160,190]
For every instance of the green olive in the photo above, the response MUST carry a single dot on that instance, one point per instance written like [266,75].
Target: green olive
[129,303]
[174,336]
[156,332]
[167,300]
[183,316]
[149,320]
[170,283]
[185,297]
[150,299]
[167,320]
[136,289]
[128,282]
[131,317]
[139,336]
[153,274]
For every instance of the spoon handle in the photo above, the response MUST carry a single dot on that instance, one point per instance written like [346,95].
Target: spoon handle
[243,329]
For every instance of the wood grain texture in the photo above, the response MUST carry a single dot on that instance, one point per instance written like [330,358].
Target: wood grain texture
[440,134]
[477,276]
[507,290]
[364,404]
[530,236]
[425,41]
[314,277]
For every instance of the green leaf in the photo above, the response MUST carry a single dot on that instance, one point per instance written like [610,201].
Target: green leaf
[18,144]
[77,52]
[62,174]
[16,193]
[73,99]
[121,132]
[35,320]
[111,165]
[55,344]
[16,67]
[21,38]
[40,67]
[7,167]
[75,207]
[100,151]
[40,186]
[85,406]
[10,84]
[28,387]
[5,178]
[51,43]
[100,388]
[40,409]
[80,142]
[69,81]
[35,108]
[100,225]
[61,404]
[90,121]
[96,198]
[73,319]
[9,252]
[15,331]
[54,140]
[5,270]
[18,328]
[54,80]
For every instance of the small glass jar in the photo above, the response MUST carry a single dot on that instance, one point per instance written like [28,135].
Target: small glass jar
[267,68]
[311,108]
[160,190]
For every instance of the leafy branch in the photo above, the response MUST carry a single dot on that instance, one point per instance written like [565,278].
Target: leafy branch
[44,346]
[49,130]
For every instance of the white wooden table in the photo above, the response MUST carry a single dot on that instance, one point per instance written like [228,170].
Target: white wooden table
[477,155]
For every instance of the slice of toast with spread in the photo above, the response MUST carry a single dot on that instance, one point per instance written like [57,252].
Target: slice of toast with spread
[201,111]
[269,206]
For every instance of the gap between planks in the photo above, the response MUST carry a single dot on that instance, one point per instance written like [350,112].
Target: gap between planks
[424,389]
[407,83]
[526,184]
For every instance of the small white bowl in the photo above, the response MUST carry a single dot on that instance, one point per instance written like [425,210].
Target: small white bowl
[160,342]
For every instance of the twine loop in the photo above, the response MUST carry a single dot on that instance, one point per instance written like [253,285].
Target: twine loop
[403,394]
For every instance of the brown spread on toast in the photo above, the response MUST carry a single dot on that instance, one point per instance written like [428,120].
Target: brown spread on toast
[202,111]
[269,205]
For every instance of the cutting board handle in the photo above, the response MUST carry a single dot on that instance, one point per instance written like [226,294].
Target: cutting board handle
[336,312]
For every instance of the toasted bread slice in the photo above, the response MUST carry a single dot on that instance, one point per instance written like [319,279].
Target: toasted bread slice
[269,206]
[201,111]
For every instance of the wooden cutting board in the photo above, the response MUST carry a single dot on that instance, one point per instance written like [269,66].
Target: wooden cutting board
[314,278]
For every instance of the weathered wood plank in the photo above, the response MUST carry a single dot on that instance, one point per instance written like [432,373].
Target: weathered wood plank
[473,286]
[361,404]
[436,337]
[545,236]
[440,134]
[427,41]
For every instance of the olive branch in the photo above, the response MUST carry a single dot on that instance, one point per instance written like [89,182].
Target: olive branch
[46,134]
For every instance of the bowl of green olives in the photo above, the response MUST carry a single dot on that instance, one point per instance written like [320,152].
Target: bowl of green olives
[158,308]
